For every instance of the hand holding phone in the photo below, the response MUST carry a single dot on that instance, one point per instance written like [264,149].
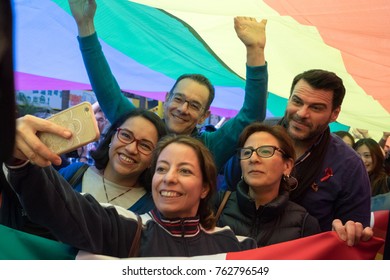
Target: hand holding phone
[80,119]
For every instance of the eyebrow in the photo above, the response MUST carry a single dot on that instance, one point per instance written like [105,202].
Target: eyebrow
[142,139]
[180,164]
[310,104]
[190,100]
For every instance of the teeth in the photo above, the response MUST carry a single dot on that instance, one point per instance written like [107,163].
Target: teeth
[125,158]
[169,194]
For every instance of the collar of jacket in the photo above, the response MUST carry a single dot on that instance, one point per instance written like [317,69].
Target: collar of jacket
[179,227]
[195,132]
[265,212]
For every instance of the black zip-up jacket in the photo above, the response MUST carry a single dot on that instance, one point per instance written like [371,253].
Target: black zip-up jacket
[278,221]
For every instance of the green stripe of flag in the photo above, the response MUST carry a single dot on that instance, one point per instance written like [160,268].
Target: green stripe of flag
[18,245]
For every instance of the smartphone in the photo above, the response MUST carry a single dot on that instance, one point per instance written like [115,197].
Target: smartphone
[80,119]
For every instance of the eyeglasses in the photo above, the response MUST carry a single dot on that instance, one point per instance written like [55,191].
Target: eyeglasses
[180,99]
[127,137]
[262,151]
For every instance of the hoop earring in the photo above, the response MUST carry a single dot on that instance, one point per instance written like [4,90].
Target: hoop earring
[291,182]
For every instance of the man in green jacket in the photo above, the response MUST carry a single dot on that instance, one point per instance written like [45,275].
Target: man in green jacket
[187,103]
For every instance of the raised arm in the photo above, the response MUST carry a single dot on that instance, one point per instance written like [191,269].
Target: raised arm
[109,95]
[223,142]
[76,219]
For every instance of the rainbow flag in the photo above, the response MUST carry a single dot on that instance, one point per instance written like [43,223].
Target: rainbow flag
[148,44]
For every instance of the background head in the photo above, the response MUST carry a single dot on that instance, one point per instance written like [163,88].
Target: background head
[325,80]
[207,167]
[101,120]
[371,154]
[346,137]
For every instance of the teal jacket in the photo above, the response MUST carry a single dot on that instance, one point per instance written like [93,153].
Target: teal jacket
[222,143]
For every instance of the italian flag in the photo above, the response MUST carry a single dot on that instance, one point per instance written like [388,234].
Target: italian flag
[17,245]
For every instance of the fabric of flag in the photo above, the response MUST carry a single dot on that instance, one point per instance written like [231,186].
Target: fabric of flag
[16,245]
[149,44]
[380,226]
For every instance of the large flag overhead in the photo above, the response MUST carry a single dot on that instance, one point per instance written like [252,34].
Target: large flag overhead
[148,44]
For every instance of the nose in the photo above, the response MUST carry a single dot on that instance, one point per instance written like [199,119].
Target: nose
[363,158]
[303,112]
[132,147]
[183,107]
[254,157]
[170,177]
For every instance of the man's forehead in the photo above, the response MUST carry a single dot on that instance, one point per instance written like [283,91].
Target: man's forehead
[192,90]
[305,92]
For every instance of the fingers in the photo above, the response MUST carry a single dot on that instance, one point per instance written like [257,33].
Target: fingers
[367,234]
[29,146]
[352,232]
[338,227]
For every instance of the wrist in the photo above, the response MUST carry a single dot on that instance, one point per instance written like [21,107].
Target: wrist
[86,29]
[15,163]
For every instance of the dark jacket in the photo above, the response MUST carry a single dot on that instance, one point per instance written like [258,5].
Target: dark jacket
[278,221]
[345,195]
[82,222]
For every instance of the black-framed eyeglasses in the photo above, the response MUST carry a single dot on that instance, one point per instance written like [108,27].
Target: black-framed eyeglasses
[127,137]
[262,151]
[180,99]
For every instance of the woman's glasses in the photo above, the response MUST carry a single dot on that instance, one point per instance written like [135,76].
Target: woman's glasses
[127,137]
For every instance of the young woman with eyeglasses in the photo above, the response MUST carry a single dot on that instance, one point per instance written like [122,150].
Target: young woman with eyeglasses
[260,207]
[120,174]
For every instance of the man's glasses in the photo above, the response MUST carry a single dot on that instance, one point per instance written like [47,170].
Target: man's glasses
[180,99]
[127,137]
[262,151]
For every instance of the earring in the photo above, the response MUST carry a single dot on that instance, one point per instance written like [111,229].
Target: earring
[109,145]
[291,182]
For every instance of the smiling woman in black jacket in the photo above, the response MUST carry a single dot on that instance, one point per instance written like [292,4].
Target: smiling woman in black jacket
[260,207]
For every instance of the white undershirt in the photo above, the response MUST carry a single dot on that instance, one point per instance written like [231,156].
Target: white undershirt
[93,184]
